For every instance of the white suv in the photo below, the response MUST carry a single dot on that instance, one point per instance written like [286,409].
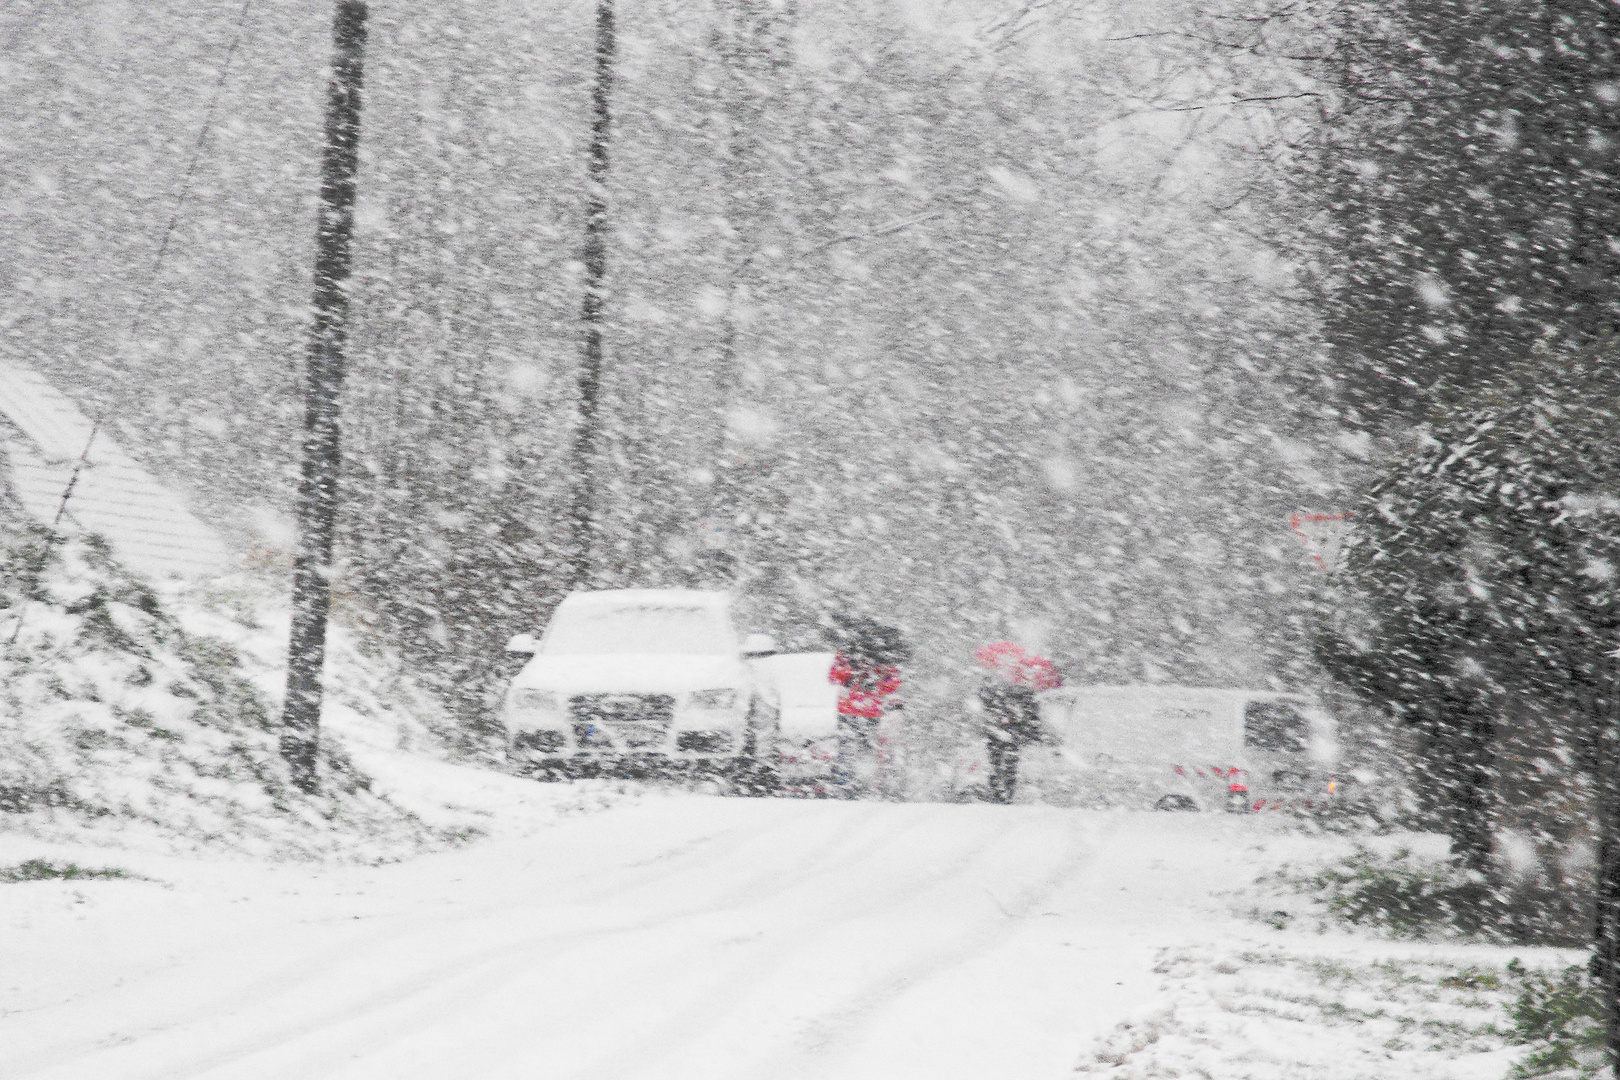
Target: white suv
[627,680]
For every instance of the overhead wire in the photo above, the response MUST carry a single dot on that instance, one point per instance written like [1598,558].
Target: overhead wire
[144,303]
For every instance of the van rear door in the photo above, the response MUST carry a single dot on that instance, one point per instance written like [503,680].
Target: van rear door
[1292,747]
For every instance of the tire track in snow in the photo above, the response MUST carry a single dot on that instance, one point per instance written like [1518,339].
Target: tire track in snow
[684,1028]
[832,853]
[839,1028]
[439,1013]
[373,940]
[467,977]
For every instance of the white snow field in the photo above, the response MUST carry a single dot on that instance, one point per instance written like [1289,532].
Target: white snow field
[685,936]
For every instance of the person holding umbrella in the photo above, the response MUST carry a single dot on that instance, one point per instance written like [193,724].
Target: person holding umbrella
[1011,719]
[867,668]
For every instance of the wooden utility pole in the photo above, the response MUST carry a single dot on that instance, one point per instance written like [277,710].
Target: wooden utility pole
[587,435]
[323,384]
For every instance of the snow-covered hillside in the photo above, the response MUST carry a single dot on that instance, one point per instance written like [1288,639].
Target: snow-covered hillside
[136,718]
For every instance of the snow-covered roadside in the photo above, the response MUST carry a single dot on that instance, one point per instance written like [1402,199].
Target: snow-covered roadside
[677,935]
[1341,1009]
[390,731]
[144,718]
[1282,994]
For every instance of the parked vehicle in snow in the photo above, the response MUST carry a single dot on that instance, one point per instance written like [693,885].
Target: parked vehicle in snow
[808,753]
[626,681]
[1184,748]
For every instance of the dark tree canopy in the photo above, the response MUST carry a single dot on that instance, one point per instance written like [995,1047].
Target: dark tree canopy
[1484,560]
[1477,597]
[1470,205]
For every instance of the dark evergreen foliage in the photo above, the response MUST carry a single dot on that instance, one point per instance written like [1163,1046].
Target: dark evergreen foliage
[1478,590]
[1560,1017]
[1468,186]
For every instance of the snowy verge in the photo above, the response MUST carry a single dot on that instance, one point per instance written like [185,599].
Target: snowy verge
[1304,1000]
[1278,989]
[1335,1011]
[138,718]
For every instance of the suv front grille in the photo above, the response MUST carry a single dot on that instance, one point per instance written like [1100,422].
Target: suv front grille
[705,742]
[547,742]
[621,721]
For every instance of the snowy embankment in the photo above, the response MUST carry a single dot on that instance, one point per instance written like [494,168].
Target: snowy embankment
[681,936]
[131,717]
[1335,1009]
[1285,993]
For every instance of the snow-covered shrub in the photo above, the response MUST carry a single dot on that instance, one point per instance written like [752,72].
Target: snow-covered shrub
[1560,1017]
[1400,893]
[1403,894]
[115,715]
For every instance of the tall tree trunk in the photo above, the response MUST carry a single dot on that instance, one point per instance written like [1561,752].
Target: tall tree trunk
[1466,771]
[588,432]
[1606,933]
[752,48]
[317,486]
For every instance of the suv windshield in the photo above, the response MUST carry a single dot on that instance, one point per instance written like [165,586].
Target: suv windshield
[638,628]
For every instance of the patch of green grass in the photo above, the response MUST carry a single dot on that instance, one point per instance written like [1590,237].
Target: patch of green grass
[1275,959]
[1559,1015]
[1402,973]
[1398,894]
[1472,979]
[45,870]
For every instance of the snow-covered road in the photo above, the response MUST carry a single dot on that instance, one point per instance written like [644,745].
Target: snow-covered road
[678,936]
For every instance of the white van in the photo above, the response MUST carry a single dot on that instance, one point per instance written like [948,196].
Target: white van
[1183,748]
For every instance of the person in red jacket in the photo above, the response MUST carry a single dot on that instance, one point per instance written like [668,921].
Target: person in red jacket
[867,668]
[867,686]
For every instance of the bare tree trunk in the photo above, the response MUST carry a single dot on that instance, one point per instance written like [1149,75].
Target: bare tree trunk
[1606,933]
[317,486]
[1462,768]
[588,433]
[752,47]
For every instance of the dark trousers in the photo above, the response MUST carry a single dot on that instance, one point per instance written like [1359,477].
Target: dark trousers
[1003,770]
[857,754]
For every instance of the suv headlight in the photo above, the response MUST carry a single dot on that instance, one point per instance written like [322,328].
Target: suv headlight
[723,698]
[536,701]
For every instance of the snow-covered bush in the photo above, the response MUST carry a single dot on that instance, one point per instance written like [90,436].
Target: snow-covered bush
[1560,1017]
[1477,602]
[116,716]
[1400,893]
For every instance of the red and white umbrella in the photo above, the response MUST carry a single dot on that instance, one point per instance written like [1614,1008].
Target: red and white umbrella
[1018,665]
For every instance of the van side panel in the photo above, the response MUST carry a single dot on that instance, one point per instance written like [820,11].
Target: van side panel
[1136,745]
